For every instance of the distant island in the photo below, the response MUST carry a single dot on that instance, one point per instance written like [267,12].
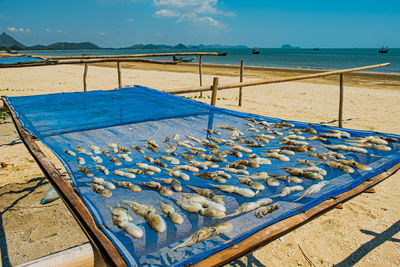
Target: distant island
[288,46]
[9,43]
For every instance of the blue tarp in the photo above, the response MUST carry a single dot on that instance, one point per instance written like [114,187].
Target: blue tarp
[19,59]
[129,116]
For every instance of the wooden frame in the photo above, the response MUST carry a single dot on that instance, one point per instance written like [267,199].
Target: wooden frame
[110,254]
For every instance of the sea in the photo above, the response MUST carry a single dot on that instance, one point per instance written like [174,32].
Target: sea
[319,59]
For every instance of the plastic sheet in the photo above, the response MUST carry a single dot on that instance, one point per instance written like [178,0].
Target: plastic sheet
[129,116]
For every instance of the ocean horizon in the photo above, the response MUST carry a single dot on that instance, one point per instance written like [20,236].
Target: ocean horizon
[302,58]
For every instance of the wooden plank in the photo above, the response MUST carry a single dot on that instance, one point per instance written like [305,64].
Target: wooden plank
[70,197]
[285,226]
[340,100]
[269,81]
[135,55]
[200,73]
[241,80]
[214,91]
[84,77]
[119,74]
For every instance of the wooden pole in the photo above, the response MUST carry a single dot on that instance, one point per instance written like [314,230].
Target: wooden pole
[341,101]
[214,91]
[241,80]
[200,73]
[279,80]
[119,74]
[84,77]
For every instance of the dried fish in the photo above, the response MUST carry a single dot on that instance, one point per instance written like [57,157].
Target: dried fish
[138,148]
[136,171]
[203,234]
[125,150]
[193,139]
[102,169]
[83,151]
[115,161]
[353,163]
[188,168]
[169,211]
[371,139]
[178,174]
[291,179]
[295,137]
[305,162]
[173,160]
[205,202]
[114,146]
[69,152]
[262,211]
[315,188]
[152,143]
[96,149]
[106,152]
[275,155]
[120,218]
[148,158]
[160,163]
[97,159]
[186,144]
[148,212]
[214,158]
[104,183]
[211,176]
[389,139]
[86,171]
[245,192]
[148,167]
[240,148]
[235,171]
[81,161]
[124,174]
[198,164]
[249,182]
[151,148]
[305,174]
[225,127]
[288,190]
[175,184]
[210,131]
[208,193]
[99,189]
[131,186]
[337,165]
[370,145]
[166,140]
[250,206]
[176,137]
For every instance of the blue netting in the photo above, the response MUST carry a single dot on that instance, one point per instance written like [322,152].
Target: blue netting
[18,59]
[129,116]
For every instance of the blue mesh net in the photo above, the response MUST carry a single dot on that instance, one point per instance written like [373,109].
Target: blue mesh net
[130,116]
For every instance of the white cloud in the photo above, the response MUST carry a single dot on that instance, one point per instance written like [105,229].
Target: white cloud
[59,31]
[166,13]
[192,11]
[14,29]
[129,20]
[48,30]
[103,33]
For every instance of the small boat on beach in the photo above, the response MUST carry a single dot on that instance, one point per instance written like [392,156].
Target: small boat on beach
[255,51]
[383,50]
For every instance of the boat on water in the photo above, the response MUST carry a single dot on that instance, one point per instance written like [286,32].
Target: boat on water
[183,59]
[383,50]
[255,51]
[316,49]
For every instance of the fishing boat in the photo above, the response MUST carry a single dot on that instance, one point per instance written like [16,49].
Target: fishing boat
[255,51]
[383,50]
[183,59]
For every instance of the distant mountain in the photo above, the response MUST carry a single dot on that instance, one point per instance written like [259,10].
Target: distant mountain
[288,46]
[65,46]
[217,46]
[7,41]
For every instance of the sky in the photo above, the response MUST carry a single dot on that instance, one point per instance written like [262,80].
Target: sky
[260,23]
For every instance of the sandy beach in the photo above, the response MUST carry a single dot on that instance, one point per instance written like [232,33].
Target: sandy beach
[365,232]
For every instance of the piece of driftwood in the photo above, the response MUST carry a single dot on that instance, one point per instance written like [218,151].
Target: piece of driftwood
[135,55]
[214,91]
[71,199]
[84,77]
[119,74]
[82,256]
[285,226]
[269,81]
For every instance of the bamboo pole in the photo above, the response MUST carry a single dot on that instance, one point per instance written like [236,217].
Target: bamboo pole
[214,91]
[341,100]
[119,74]
[279,80]
[241,80]
[200,73]
[84,77]
[136,55]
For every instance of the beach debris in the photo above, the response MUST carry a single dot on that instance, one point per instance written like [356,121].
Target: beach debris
[49,196]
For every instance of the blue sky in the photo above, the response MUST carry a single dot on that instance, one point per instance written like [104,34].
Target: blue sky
[261,23]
